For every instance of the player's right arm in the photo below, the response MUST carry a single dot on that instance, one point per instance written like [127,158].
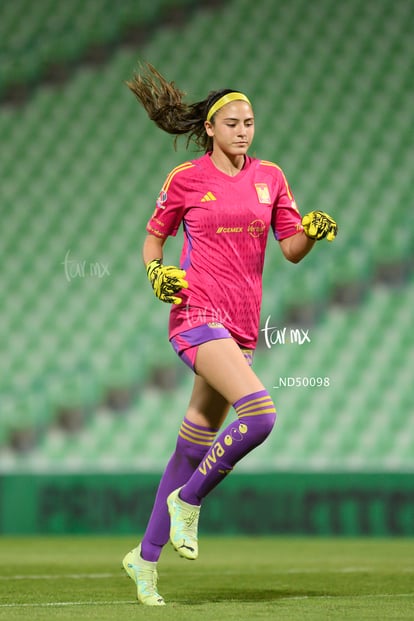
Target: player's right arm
[166,280]
[152,248]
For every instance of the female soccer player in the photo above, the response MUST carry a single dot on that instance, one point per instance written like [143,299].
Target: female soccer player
[226,202]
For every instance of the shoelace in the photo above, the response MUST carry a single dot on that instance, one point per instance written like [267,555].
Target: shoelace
[148,579]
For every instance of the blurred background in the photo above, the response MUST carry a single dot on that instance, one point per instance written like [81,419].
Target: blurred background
[91,393]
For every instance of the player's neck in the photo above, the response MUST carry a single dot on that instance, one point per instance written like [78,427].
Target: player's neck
[229,165]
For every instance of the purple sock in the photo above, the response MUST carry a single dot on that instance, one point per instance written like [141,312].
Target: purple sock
[256,417]
[192,444]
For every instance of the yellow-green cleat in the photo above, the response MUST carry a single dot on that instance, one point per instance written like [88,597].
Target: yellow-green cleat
[184,525]
[145,576]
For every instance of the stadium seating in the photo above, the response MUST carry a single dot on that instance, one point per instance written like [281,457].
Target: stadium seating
[39,37]
[80,166]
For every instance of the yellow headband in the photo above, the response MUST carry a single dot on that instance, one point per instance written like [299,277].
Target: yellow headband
[225,100]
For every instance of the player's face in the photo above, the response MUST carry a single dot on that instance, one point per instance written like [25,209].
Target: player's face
[232,129]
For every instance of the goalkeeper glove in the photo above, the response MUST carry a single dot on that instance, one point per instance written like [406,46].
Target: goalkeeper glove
[166,280]
[318,225]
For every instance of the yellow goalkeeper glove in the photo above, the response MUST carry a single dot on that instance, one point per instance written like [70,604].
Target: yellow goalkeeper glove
[166,280]
[318,225]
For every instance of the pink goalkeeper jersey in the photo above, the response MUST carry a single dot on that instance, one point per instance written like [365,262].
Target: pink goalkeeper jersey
[226,222]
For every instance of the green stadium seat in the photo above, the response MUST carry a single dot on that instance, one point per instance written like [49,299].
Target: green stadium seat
[80,170]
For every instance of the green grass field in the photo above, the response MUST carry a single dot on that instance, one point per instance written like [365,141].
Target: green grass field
[235,579]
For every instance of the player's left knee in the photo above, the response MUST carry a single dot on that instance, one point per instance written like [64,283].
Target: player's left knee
[264,423]
[256,429]
[257,408]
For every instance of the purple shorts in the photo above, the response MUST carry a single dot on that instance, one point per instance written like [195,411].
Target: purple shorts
[186,343]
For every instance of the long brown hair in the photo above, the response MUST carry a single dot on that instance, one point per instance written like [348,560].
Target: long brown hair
[163,102]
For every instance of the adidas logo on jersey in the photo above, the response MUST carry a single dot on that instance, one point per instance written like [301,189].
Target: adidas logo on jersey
[208,197]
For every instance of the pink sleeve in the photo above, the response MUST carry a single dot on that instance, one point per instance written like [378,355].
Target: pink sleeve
[169,210]
[286,219]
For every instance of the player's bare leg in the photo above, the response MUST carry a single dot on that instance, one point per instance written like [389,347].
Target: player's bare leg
[224,368]
[222,364]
